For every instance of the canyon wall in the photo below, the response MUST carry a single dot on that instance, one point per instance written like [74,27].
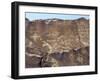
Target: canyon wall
[56,42]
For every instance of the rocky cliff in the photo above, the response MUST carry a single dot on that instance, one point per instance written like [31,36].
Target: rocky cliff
[56,42]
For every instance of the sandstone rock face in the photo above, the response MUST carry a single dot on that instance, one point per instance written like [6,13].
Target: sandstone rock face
[56,42]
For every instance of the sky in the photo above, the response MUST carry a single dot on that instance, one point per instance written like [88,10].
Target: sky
[35,16]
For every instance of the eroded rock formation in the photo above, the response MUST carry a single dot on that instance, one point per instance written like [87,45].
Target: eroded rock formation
[56,42]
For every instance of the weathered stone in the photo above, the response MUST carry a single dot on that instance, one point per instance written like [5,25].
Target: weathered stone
[82,56]
[56,42]
[32,61]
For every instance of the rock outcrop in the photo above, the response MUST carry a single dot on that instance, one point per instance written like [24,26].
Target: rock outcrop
[56,42]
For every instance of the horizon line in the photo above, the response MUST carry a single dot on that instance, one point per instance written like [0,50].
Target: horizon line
[36,16]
